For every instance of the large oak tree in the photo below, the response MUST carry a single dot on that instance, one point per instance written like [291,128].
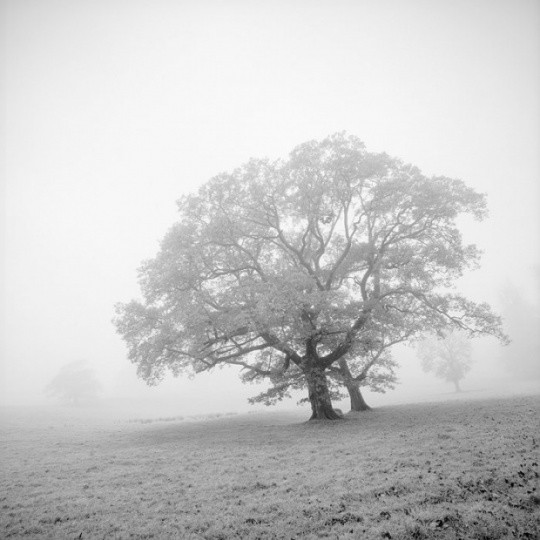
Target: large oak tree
[299,262]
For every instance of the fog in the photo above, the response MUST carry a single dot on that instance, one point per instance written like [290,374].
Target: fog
[114,109]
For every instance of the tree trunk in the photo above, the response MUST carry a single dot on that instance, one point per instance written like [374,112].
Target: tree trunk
[456,384]
[357,399]
[319,396]
[353,387]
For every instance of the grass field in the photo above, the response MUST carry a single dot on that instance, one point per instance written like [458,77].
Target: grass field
[460,469]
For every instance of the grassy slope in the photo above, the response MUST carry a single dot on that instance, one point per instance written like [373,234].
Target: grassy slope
[448,470]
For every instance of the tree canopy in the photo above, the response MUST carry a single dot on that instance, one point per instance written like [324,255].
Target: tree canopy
[304,262]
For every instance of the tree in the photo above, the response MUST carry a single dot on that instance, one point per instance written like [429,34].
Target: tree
[522,317]
[295,262]
[75,384]
[448,356]
[375,372]
[371,366]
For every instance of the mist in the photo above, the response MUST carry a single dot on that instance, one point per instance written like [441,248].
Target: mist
[113,110]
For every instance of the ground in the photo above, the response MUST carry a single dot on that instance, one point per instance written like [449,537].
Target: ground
[460,469]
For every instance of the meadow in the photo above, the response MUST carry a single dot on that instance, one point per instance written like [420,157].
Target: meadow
[460,469]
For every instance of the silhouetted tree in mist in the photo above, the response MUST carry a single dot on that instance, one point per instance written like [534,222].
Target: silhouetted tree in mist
[75,384]
[522,322]
[447,356]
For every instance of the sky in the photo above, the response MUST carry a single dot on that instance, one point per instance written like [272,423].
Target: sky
[113,109]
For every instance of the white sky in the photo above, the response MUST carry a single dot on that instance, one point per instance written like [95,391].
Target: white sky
[116,108]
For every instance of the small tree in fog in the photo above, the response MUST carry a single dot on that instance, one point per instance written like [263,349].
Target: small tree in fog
[75,384]
[522,319]
[299,263]
[447,356]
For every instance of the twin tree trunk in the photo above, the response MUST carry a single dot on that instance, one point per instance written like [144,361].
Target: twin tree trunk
[319,396]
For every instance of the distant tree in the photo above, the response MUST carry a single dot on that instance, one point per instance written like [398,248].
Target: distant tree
[75,384]
[447,356]
[522,320]
[292,263]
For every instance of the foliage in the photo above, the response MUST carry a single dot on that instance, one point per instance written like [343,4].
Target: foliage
[303,262]
[75,384]
[448,356]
